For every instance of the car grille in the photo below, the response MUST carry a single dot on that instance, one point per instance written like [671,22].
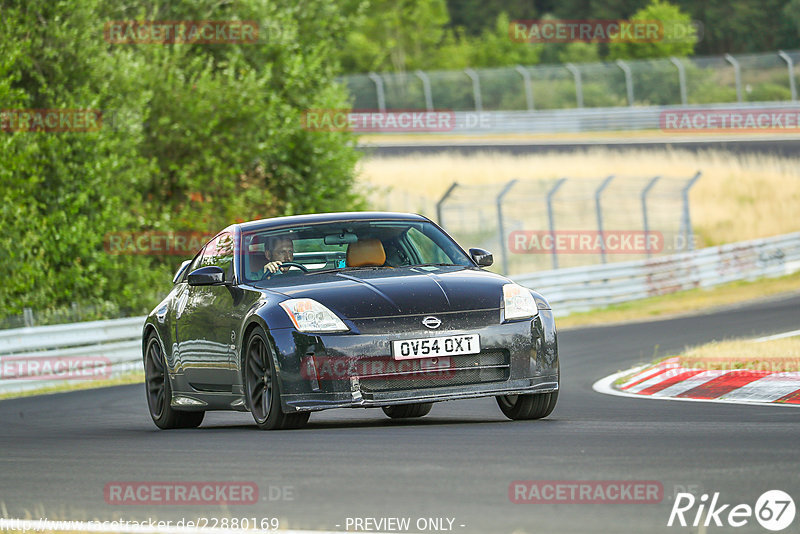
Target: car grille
[487,366]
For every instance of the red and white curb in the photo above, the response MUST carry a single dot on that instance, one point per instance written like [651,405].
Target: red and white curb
[669,380]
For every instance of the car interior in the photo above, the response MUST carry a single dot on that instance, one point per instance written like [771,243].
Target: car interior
[350,247]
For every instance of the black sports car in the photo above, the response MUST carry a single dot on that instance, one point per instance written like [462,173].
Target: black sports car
[286,316]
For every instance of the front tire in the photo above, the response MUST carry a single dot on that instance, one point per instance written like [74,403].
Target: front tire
[262,386]
[533,406]
[159,391]
[405,411]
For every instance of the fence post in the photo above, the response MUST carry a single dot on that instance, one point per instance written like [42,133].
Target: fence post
[441,203]
[476,88]
[578,85]
[790,64]
[599,211]
[526,78]
[426,88]
[27,314]
[737,71]
[644,213]
[628,79]
[551,219]
[500,229]
[687,221]
[681,78]
[378,81]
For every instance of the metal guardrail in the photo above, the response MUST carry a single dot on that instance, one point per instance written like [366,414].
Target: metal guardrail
[568,290]
[607,119]
[595,286]
[102,348]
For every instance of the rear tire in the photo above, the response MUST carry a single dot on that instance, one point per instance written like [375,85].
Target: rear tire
[405,411]
[262,386]
[522,407]
[159,391]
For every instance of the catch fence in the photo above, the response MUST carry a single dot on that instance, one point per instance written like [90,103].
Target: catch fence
[554,223]
[766,77]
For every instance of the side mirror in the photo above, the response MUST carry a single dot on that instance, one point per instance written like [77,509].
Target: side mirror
[180,270]
[482,257]
[207,276]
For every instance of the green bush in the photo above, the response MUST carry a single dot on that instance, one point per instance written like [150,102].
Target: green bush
[195,137]
[767,92]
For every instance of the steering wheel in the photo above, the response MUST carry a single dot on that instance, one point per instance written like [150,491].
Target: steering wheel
[287,264]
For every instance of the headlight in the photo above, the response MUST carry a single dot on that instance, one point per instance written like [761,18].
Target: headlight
[308,315]
[518,301]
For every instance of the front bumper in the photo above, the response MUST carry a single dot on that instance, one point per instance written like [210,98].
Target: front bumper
[516,358]
[361,399]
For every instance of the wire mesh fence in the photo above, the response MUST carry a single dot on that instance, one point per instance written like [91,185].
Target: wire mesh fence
[74,313]
[769,77]
[533,225]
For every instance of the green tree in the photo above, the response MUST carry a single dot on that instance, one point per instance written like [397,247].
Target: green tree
[495,48]
[195,137]
[477,16]
[395,35]
[678,40]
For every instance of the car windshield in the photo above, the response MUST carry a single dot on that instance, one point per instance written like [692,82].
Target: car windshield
[347,245]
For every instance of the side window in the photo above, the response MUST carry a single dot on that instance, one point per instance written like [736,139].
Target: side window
[428,251]
[219,252]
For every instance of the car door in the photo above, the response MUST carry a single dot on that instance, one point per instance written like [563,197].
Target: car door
[206,323]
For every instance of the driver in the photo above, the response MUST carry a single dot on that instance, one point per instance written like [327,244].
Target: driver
[277,250]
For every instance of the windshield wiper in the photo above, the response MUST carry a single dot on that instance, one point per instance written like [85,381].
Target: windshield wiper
[365,267]
[325,271]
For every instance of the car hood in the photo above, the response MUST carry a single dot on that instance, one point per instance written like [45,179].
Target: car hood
[358,294]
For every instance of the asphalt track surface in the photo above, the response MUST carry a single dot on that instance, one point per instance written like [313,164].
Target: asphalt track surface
[785,147]
[58,452]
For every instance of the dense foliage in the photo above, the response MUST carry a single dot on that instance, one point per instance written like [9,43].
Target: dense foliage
[449,34]
[193,138]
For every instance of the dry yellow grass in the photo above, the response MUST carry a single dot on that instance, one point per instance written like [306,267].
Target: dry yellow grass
[739,197]
[777,355]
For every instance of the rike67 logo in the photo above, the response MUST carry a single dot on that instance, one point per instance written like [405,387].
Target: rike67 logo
[774,510]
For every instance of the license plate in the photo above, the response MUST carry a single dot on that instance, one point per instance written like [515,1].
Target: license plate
[429,347]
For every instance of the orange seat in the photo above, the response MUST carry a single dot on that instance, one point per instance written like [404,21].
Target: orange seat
[366,253]
[255,255]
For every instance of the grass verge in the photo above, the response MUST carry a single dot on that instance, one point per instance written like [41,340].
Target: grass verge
[129,378]
[772,356]
[775,356]
[683,302]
